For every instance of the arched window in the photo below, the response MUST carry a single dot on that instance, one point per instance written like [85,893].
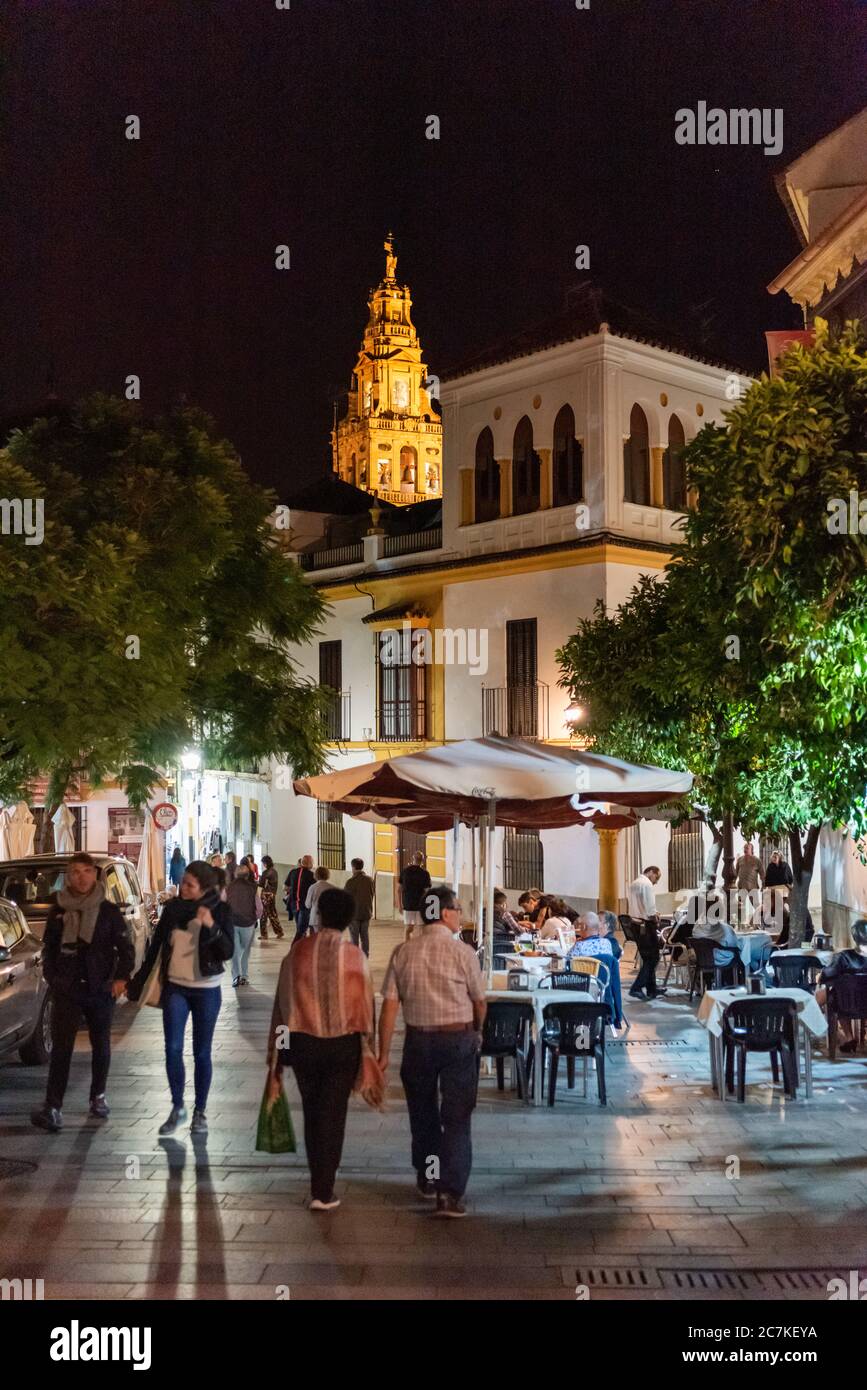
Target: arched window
[568,482]
[673,471]
[487,479]
[408,468]
[636,460]
[526,470]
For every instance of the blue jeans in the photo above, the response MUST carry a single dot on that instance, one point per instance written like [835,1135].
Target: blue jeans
[302,922]
[440,1075]
[178,1003]
[241,954]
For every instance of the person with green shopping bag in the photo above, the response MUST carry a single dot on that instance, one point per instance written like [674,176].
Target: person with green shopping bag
[325,1000]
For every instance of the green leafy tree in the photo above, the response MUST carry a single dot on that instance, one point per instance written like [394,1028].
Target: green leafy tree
[157,611]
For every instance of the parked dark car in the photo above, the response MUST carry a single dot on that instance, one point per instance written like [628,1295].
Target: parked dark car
[31,884]
[25,1000]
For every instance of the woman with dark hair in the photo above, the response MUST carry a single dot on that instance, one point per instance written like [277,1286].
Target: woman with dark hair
[324,1001]
[848,962]
[177,864]
[193,938]
[268,891]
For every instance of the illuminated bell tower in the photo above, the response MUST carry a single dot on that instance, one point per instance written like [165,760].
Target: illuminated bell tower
[390,440]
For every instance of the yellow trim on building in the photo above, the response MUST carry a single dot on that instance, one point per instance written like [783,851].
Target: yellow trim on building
[395,586]
[435,854]
[384,846]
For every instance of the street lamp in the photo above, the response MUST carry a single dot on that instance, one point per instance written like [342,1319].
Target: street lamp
[191,761]
[573,716]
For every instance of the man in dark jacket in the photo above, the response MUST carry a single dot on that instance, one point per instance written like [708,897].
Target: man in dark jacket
[299,881]
[87,959]
[362,891]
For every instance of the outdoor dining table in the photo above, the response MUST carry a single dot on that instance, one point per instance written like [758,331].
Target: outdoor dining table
[823,957]
[539,998]
[710,1015]
[748,951]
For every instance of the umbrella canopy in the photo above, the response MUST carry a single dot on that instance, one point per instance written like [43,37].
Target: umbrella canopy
[151,861]
[535,784]
[64,829]
[20,832]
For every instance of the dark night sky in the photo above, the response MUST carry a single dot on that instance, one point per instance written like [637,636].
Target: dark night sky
[306,126]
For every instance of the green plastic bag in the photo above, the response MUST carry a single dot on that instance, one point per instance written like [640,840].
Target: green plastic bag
[274,1134]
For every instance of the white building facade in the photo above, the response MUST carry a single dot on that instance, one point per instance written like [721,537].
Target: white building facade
[562,486]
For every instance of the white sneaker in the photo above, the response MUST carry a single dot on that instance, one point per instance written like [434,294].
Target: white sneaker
[316,1205]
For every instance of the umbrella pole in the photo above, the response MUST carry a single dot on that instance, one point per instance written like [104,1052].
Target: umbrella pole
[489,886]
[474,896]
[456,841]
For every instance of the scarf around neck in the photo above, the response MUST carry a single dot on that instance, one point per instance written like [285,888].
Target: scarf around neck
[80,913]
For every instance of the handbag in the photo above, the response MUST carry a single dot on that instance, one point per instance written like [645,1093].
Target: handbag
[370,1081]
[274,1132]
[152,993]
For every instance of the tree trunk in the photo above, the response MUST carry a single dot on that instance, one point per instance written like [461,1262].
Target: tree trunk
[803,862]
[714,854]
[45,843]
[728,851]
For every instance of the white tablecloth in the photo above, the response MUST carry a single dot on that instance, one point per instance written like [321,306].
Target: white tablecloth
[715,1000]
[823,957]
[749,952]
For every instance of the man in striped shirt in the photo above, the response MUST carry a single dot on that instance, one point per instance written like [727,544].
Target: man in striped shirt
[437,979]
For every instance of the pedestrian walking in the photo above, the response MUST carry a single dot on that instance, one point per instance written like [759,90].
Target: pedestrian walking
[242,899]
[230,866]
[314,893]
[437,981]
[413,883]
[642,907]
[299,881]
[325,999]
[87,958]
[268,893]
[177,866]
[362,890]
[193,938]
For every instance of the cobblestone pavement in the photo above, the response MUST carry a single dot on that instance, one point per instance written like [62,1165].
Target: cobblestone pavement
[633,1200]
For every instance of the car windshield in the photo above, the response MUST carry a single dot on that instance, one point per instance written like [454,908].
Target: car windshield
[31,888]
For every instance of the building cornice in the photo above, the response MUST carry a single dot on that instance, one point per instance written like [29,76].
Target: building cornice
[820,265]
[604,547]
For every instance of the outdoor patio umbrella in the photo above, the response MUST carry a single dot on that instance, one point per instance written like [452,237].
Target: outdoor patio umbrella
[151,859]
[20,832]
[64,829]
[507,781]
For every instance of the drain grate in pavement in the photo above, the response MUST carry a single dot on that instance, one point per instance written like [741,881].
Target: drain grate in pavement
[647,1042]
[597,1277]
[722,1281]
[15,1167]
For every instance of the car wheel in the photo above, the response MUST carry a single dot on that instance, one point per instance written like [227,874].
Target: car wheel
[37,1049]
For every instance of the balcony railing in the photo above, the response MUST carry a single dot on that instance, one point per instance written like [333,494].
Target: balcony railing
[352,554]
[403,499]
[515,711]
[413,542]
[338,716]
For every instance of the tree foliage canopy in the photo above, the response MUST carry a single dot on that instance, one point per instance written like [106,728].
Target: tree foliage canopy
[157,611]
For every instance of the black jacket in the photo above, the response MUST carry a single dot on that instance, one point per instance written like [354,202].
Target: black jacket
[88,968]
[216,943]
[778,875]
[241,899]
[296,892]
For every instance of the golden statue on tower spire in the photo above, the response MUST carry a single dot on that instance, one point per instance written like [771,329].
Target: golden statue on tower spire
[391,258]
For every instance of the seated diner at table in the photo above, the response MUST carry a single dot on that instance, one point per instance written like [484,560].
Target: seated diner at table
[504,922]
[852,961]
[552,919]
[724,937]
[529,902]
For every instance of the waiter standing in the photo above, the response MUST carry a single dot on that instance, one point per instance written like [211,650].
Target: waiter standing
[437,979]
[642,906]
